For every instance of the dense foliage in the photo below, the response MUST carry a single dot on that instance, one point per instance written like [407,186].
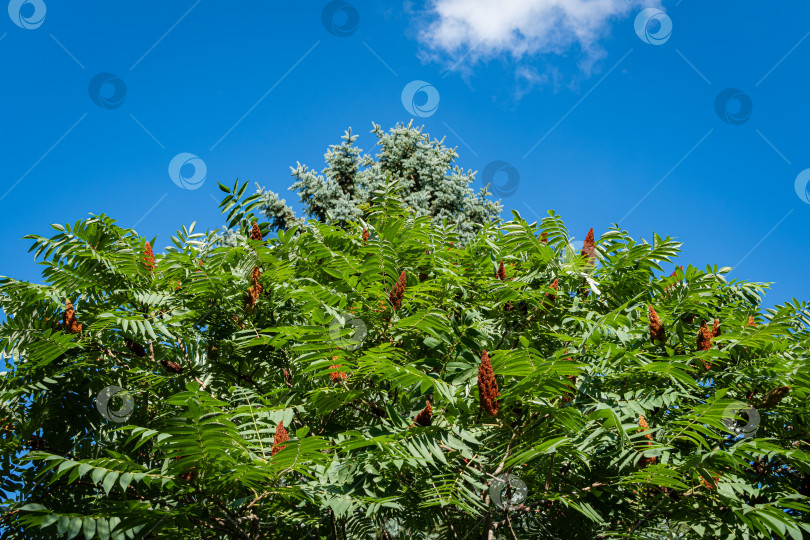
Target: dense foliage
[376,380]
[430,183]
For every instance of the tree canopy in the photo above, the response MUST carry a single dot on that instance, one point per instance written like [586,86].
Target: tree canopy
[430,183]
[378,379]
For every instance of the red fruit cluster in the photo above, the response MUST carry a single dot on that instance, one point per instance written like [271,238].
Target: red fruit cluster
[255,232]
[149,258]
[71,324]
[365,236]
[171,366]
[644,461]
[657,331]
[487,386]
[589,248]
[673,274]
[398,291]
[336,375]
[709,484]
[425,416]
[280,438]
[642,423]
[704,341]
[501,273]
[255,288]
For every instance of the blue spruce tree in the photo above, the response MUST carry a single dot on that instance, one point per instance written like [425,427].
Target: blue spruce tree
[429,183]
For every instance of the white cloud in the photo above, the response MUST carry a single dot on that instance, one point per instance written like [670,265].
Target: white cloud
[482,29]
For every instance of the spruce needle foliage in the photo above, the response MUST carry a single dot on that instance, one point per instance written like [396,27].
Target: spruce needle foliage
[431,184]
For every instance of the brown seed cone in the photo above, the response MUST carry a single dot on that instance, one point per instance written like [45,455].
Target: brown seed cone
[398,291]
[255,289]
[704,341]
[775,396]
[70,323]
[279,438]
[149,258]
[589,248]
[425,416]
[487,386]
[657,331]
[255,232]
[642,423]
[544,238]
[365,236]
[501,273]
[751,321]
[704,338]
[135,347]
[172,366]
[716,328]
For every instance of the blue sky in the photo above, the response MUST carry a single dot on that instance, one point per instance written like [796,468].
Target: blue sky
[599,122]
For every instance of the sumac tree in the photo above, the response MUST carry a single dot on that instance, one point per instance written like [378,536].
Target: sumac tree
[377,380]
